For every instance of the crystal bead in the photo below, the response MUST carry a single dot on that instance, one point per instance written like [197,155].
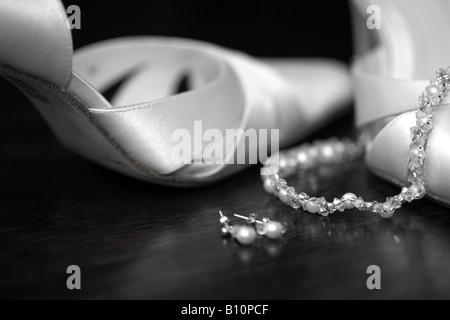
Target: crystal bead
[435,100]
[368,206]
[359,203]
[440,73]
[412,165]
[427,108]
[400,198]
[252,218]
[416,133]
[416,173]
[321,201]
[303,196]
[280,184]
[324,211]
[377,208]
[445,77]
[420,114]
[296,202]
[424,101]
[393,204]
[331,207]
[420,142]
[419,174]
[292,198]
[443,82]
[338,205]
[409,197]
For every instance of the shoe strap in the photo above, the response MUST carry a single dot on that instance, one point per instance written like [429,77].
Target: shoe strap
[381,98]
[234,91]
[378,97]
[35,39]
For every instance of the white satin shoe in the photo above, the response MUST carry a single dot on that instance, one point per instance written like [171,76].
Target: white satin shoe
[411,45]
[132,132]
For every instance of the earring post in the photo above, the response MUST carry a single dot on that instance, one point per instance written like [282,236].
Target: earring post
[247,218]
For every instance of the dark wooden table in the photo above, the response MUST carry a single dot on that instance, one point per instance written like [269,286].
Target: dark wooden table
[136,240]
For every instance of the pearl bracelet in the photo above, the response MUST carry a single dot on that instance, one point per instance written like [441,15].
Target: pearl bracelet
[334,151]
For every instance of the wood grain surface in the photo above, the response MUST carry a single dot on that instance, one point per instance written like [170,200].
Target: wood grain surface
[137,240]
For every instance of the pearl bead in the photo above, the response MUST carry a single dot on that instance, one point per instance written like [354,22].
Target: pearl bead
[282,164]
[245,235]
[418,190]
[283,196]
[327,153]
[335,151]
[348,199]
[425,124]
[433,90]
[387,214]
[269,186]
[415,153]
[273,230]
[303,160]
[312,207]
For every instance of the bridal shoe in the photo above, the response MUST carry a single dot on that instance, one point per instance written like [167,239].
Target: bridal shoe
[411,45]
[131,132]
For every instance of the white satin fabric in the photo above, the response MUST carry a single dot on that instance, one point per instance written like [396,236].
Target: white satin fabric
[231,90]
[411,46]
[132,133]
[34,37]
[380,98]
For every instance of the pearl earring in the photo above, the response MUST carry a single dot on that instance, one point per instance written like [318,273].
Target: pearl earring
[271,229]
[244,235]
